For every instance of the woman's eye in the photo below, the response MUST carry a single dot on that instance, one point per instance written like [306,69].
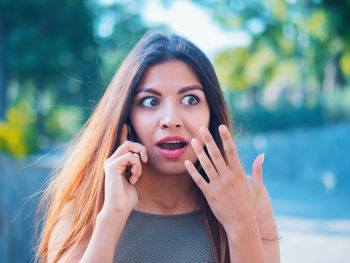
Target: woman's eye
[190,100]
[149,102]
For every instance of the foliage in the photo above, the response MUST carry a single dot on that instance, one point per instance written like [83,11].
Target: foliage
[303,43]
[60,53]
[18,134]
[295,70]
[63,53]
[62,123]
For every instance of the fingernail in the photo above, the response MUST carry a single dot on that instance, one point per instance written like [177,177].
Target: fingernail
[195,143]
[262,158]
[134,180]
[223,128]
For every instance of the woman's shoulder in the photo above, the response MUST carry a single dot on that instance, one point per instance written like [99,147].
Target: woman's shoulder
[61,231]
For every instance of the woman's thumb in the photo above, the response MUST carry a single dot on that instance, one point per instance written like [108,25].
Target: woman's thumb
[257,180]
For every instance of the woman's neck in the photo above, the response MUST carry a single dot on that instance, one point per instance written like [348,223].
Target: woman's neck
[166,194]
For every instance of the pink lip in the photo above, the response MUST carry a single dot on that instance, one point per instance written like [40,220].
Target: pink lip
[171,154]
[172,138]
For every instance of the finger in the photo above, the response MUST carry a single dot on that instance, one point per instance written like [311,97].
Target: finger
[213,151]
[197,177]
[136,174]
[257,180]
[204,160]
[230,151]
[134,147]
[128,159]
[135,169]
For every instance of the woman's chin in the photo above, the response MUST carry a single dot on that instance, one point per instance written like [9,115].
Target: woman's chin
[168,168]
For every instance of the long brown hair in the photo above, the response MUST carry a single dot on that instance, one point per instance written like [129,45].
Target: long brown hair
[81,179]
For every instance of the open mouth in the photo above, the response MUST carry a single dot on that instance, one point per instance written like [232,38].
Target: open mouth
[172,145]
[172,148]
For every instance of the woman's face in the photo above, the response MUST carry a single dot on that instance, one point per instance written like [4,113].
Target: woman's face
[169,108]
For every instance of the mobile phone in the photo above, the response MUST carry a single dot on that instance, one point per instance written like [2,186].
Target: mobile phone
[131,136]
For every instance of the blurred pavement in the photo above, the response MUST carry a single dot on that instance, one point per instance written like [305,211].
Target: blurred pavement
[306,172]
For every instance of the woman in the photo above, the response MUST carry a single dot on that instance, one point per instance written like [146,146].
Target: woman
[154,175]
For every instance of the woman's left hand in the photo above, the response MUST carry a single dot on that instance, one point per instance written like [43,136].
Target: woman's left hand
[232,197]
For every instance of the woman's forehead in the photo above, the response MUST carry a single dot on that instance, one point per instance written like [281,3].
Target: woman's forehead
[179,91]
[174,74]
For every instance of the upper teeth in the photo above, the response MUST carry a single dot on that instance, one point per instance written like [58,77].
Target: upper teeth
[172,142]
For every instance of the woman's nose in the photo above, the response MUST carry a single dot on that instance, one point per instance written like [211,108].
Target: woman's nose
[170,118]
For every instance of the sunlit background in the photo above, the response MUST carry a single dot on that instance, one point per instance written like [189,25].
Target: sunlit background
[284,67]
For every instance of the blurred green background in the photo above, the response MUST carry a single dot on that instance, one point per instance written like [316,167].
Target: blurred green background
[285,76]
[57,57]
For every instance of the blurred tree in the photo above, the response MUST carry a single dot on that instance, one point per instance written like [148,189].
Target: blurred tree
[118,27]
[55,52]
[41,40]
[295,43]
[18,136]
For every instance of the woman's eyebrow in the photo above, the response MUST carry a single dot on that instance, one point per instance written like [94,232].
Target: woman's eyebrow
[182,90]
[149,90]
[185,89]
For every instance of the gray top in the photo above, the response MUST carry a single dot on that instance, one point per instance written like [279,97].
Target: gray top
[164,238]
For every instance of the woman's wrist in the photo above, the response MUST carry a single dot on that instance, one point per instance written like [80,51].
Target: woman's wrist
[268,229]
[245,243]
[109,216]
[251,226]
[237,230]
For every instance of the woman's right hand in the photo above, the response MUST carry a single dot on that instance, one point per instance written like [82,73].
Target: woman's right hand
[120,195]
